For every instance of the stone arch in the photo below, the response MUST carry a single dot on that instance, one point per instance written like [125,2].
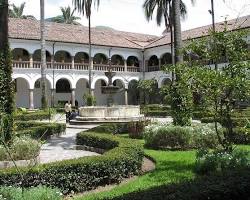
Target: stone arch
[37,56]
[105,79]
[38,92]
[100,58]
[153,61]
[81,57]
[166,59]
[20,54]
[63,56]
[133,92]
[82,87]
[117,60]
[123,82]
[101,98]
[62,90]
[22,87]
[119,97]
[133,61]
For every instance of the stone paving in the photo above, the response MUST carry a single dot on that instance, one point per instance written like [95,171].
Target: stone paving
[63,147]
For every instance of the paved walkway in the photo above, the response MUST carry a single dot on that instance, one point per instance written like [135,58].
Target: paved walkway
[63,147]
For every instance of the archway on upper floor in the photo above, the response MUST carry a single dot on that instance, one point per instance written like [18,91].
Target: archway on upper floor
[100,59]
[153,61]
[101,98]
[37,56]
[38,93]
[20,54]
[117,60]
[133,61]
[63,92]
[166,59]
[119,98]
[21,88]
[133,93]
[81,57]
[82,87]
[63,57]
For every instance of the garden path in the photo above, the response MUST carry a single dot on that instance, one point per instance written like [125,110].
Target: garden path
[63,147]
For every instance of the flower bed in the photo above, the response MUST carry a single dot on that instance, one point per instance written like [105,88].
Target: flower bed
[123,159]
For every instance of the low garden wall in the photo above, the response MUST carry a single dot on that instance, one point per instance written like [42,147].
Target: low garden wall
[122,159]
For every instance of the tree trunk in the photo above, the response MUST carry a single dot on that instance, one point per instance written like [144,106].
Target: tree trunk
[90,56]
[3,24]
[43,57]
[177,31]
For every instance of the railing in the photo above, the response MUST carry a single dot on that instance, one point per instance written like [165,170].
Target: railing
[21,64]
[81,66]
[133,69]
[118,68]
[100,67]
[153,68]
[62,65]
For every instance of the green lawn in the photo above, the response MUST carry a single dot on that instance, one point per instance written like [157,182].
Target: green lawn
[171,167]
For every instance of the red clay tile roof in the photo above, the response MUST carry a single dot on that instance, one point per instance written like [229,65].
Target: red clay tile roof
[30,29]
[242,22]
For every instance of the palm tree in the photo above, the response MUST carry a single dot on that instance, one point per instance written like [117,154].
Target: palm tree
[67,16]
[43,57]
[164,12]
[84,7]
[17,12]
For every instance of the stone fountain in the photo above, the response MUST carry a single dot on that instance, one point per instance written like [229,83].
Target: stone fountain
[110,113]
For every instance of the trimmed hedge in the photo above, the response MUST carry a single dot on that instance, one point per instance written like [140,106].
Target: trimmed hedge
[78,175]
[40,115]
[39,130]
[233,185]
[156,110]
[114,128]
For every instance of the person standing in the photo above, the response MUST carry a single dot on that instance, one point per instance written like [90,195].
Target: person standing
[68,110]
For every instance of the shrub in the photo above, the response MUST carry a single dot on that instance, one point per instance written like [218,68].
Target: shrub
[40,115]
[39,130]
[177,137]
[218,161]
[233,185]
[135,129]
[38,193]
[167,136]
[241,135]
[23,148]
[114,128]
[89,99]
[85,173]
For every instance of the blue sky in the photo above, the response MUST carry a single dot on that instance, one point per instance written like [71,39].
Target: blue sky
[127,15]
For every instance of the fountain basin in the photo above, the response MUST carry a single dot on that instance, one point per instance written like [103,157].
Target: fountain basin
[110,114]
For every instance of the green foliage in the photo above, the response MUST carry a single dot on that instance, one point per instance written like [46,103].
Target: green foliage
[218,161]
[156,110]
[150,90]
[22,148]
[232,185]
[26,116]
[37,193]
[113,128]
[39,130]
[177,137]
[78,175]
[6,94]
[136,129]
[89,99]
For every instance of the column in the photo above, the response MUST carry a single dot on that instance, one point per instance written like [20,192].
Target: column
[125,65]
[53,98]
[92,92]
[73,62]
[126,97]
[52,62]
[146,66]
[159,64]
[92,63]
[31,61]
[73,97]
[31,99]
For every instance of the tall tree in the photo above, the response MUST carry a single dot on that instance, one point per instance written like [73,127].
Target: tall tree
[6,86]
[84,7]
[164,13]
[43,56]
[17,12]
[67,16]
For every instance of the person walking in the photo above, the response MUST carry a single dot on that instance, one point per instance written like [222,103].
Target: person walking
[68,111]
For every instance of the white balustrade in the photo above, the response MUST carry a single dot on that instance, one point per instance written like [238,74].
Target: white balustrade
[133,69]
[81,66]
[153,68]
[21,64]
[100,67]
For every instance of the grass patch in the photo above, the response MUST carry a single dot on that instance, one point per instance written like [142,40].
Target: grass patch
[171,167]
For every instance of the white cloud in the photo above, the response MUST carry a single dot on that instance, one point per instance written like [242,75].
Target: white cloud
[127,15]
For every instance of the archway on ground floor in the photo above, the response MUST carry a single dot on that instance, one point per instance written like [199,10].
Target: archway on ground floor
[20,54]
[165,86]
[119,98]
[101,98]
[21,88]
[81,57]
[37,56]
[133,93]
[63,92]
[38,93]
[81,89]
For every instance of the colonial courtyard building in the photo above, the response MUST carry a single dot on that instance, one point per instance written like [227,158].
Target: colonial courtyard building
[133,56]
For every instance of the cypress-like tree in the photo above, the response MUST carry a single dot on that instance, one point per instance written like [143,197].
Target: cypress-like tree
[6,83]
